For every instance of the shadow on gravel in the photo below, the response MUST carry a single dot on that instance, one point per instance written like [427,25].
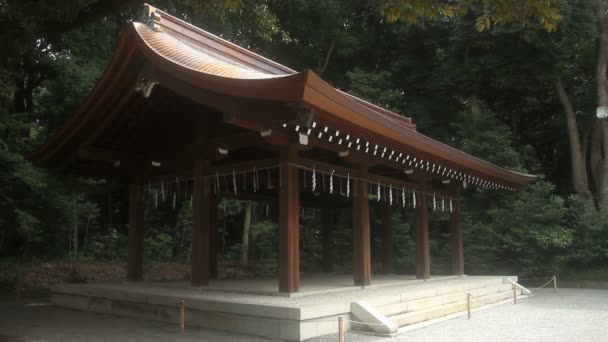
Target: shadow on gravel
[4,338]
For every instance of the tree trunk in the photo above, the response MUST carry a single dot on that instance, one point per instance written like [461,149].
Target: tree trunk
[245,242]
[75,216]
[577,158]
[600,138]
[474,108]
[86,236]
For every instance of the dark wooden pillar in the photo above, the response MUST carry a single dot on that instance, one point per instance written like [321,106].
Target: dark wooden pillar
[387,239]
[136,232]
[362,266]
[201,229]
[457,241]
[289,222]
[327,235]
[423,257]
[213,237]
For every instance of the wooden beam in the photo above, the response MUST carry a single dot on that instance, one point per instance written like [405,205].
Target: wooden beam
[136,232]
[457,241]
[361,233]
[327,236]
[423,258]
[201,224]
[387,238]
[289,222]
[208,150]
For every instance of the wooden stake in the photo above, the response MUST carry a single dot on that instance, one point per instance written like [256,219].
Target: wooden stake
[181,317]
[469,305]
[340,329]
[514,294]
[554,284]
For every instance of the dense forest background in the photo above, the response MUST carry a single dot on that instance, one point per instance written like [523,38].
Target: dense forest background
[521,91]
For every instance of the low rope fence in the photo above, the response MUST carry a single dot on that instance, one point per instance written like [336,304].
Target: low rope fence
[341,321]
[550,280]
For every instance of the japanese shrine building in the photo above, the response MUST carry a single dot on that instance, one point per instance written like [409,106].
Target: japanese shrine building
[179,108]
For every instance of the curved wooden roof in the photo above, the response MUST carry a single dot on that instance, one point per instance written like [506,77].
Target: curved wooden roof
[204,65]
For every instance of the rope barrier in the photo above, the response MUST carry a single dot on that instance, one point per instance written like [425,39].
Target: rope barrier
[547,283]
[520,279]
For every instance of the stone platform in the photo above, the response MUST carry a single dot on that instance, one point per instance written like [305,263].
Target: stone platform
[254,307]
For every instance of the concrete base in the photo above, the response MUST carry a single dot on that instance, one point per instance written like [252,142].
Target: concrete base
[249,309]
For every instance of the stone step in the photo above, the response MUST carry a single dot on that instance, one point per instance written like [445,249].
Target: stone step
[426,314]
[439,299]
[433,288]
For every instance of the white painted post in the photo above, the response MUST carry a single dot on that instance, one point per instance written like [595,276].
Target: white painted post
[469,305]
[340,329]
[554,284]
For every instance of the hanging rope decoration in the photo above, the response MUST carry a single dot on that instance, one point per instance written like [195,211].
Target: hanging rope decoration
[217,180]
[255,180]
[388,192]
[270,186]
[314,179]
[348,185]
[414,198]
[234,181]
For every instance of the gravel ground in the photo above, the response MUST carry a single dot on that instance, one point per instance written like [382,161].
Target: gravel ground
[571,315]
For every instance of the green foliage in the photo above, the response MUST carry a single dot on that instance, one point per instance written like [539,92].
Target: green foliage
[158,247]
[375,87]
[430,66]
[490,12]
[488,139]
[590,229]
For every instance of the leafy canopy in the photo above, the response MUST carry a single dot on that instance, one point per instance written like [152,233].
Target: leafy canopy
[488,12]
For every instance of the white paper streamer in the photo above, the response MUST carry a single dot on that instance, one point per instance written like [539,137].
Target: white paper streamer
[314,178]
[217,179]
[403,197]
[348,185]
[390,194]
[234,181]
[414,198]
[378,188]
[162,188]
[331,182]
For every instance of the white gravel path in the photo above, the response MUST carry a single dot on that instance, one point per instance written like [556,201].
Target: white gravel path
[571,315]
